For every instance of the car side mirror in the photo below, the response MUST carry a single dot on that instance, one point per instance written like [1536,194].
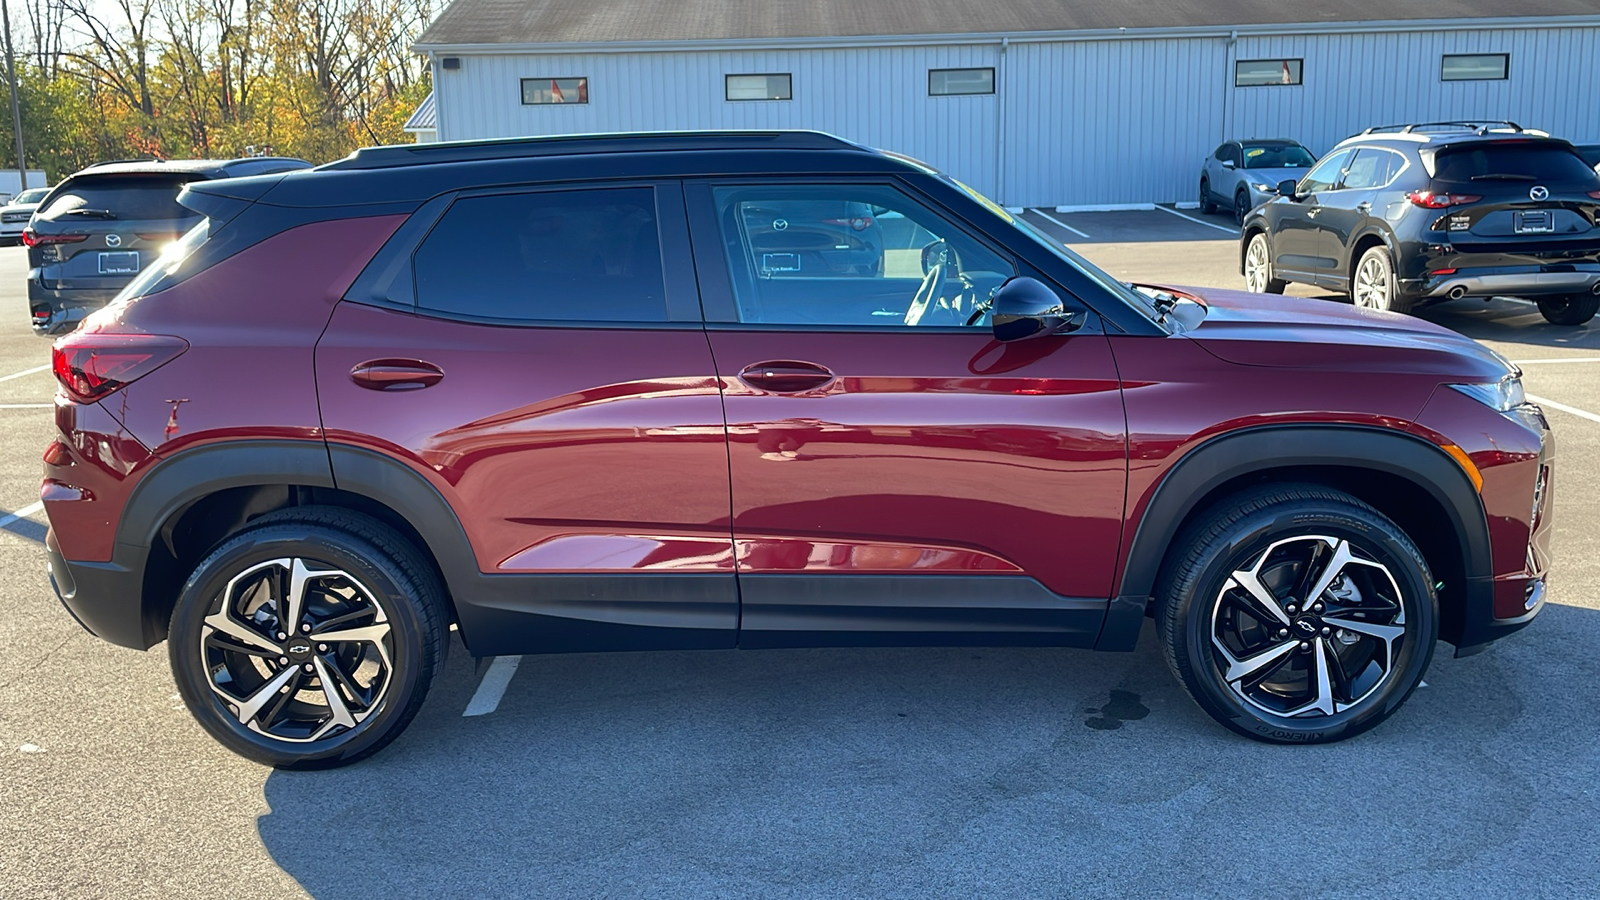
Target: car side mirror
[1025,308]
[1286,188]
[1228,164]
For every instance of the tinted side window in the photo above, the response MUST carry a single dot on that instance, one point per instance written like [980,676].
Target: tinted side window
[1326,174]
[1369,169]
[586,256]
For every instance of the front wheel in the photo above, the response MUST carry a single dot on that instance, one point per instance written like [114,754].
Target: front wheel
[1241,206]
[1569,309]
[1297,614]
[309,640]
[1258,275]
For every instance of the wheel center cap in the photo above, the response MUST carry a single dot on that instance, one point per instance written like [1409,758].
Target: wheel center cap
[297,649]
[1307,627]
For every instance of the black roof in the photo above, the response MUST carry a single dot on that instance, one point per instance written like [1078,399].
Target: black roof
[588,21]
[566,144]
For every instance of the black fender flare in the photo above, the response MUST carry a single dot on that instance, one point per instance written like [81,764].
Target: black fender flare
[1226,457]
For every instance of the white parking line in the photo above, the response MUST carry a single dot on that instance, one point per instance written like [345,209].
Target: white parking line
[1570,410]
[24,372]
[1061,223]
[486,699]
[22,513]
[1168,209]
[1560,359]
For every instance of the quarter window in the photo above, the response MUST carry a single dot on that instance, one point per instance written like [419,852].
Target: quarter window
[586,256]
[954,82]
[550,91]
[1263,72]
[759,87]
[1475,67]
[850,255]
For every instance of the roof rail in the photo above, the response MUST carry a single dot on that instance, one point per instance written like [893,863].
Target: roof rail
[1480,126]
[567,144]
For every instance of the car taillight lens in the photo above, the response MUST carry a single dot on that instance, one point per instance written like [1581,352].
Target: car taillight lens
[34,239]
[1431,200]
[92,365]
[1595,194]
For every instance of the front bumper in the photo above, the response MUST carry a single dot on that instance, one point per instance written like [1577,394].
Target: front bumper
[104,597]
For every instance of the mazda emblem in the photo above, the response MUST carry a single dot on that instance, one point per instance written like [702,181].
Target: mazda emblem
[780,224]
[113,240]
[1539,192]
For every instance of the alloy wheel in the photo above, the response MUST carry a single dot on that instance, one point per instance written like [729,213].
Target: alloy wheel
[1311,627]
[297,651]
[1255,265]
[1372,284]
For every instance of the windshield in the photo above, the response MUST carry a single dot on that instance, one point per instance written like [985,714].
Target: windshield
[167,263]
[31,195]
[1277,156]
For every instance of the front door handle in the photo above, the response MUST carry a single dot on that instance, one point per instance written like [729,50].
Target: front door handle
[396,374]
[1312,212]
[785,376]
[1364,206]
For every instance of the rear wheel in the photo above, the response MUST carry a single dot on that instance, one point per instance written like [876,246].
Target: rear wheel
[310,639]
[1207,205]
[1297,614]
[1374,285]
[1258,276]
[1569,309]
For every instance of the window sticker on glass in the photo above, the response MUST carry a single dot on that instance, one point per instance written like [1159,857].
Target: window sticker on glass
[1255,152]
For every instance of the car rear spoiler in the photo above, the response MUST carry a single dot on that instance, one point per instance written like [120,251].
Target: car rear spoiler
[221,199]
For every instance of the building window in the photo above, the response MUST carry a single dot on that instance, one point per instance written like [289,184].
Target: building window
[759,87]
[1475,67]
[546,91]
[1259,72]
[953,82]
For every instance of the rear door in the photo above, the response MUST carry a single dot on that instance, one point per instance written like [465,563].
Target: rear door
[539,357]
[1343,212]
[899,477]
[99,231]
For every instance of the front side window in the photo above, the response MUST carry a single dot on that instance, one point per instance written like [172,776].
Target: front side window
[549,91]
[1475,67]
[585,256]
[953,82]
[1327,174]
[759,87]
[1263,72]
[851,255]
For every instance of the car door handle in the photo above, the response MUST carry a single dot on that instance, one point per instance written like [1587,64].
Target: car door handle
[1312,212]
[1364,206]
[785,376]
[396,374]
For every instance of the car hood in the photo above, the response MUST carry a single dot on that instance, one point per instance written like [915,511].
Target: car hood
[1274,331]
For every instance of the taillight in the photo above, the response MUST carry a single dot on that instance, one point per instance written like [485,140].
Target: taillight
[33,238]
[92,365]
[1431,200]
[1441,272]
[1595,194]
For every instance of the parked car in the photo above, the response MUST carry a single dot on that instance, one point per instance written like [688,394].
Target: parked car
[543,390]
[1405,215]
[101,226]
[18,210]
[1241,175]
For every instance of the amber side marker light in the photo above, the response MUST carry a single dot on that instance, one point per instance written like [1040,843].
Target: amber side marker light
[1466,462]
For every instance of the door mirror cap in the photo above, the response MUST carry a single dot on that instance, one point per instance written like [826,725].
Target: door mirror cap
[1286,188]
[1228,164]
[1025,308]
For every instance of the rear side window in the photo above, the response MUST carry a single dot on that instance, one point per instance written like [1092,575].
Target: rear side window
[575,256]
[122,197]
[1549,163]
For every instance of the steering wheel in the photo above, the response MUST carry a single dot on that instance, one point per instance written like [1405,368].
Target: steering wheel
[929,293]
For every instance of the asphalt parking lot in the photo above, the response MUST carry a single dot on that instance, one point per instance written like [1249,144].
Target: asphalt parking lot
[895,773]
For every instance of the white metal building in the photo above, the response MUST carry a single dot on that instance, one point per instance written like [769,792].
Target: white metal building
[1035,102]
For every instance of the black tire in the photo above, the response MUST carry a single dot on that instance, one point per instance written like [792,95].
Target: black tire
[1207,205]
[399,586]
[1200,596]
[1241,205]
[1569,309]
[1377,267]
[1272,284]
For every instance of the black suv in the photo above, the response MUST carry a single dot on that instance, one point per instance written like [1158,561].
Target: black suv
[1403,215]
[98,228]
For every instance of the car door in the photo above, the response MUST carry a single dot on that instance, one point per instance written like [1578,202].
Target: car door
[1344,212]
[538,357]
[899,477]
[1296,228]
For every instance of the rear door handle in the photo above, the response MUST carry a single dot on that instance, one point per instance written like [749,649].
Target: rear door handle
[785,376]
[396,374]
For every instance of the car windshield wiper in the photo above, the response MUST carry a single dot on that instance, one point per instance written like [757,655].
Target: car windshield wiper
[97,213]
[1504,176]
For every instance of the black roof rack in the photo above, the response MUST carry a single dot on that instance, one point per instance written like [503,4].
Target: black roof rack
[567,144]
[1480,127]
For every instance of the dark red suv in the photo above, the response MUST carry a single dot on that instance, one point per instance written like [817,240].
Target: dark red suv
[579,394]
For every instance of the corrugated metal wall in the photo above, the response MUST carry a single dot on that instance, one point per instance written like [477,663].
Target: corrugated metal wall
[1085,122]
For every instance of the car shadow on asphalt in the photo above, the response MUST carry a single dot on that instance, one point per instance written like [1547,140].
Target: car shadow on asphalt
[918,772]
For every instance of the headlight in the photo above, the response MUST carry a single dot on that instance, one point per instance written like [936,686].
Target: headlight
[1503,395]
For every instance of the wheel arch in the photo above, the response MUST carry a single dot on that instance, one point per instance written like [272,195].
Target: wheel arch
[1408,479]
[1373,236]
[1253,225]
